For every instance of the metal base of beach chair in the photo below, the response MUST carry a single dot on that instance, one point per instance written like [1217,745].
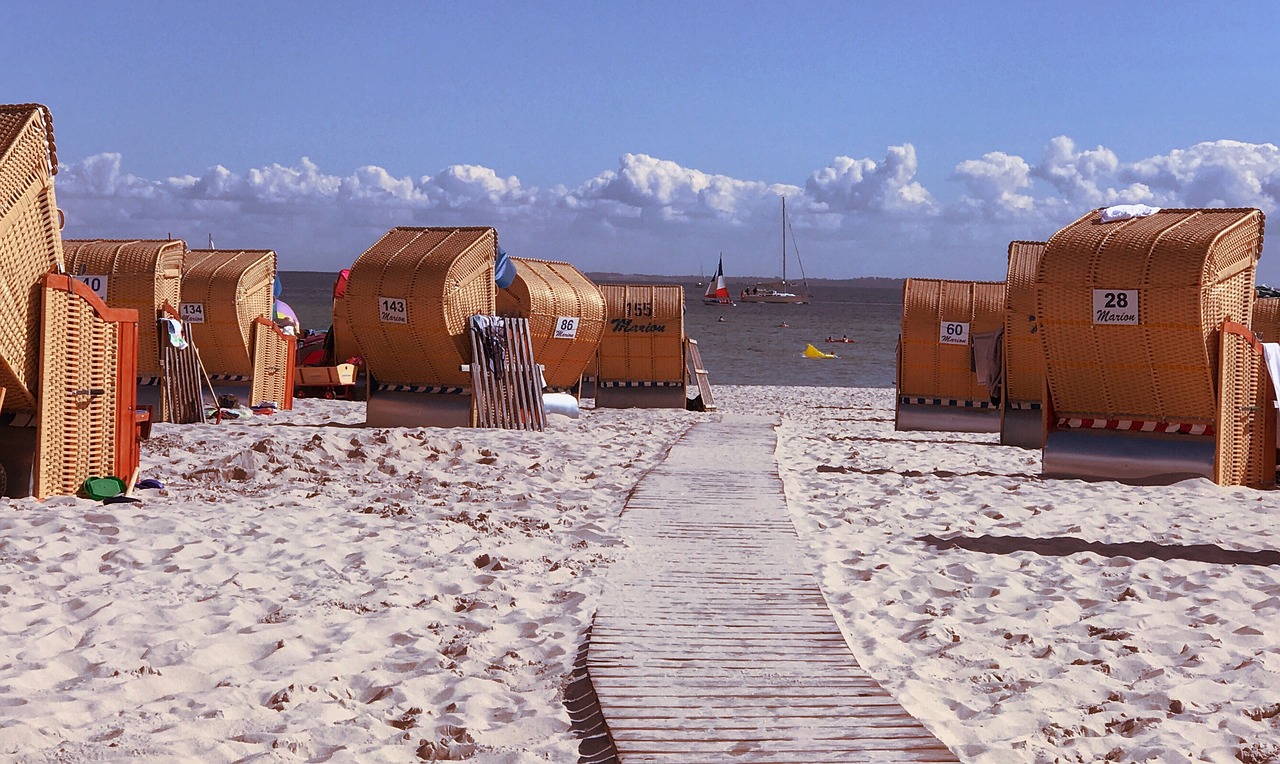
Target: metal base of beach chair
[388,408]
[1142,458]
[913,417]
[1023,428]
[18,460]
[654,397]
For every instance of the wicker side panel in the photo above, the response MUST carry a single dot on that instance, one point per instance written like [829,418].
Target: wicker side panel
[435,279]
[1266,319]
[545,292]
[1246,448]
[142,275]
[234,288]
[30,245]
[1023,356]
[1191,269]
[86,386]
[273,361]
[933,369]
[643,335]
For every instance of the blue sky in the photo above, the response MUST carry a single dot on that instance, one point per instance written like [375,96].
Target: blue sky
[909,138]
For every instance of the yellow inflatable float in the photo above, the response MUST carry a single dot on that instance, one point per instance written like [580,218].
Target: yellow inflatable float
[812,352]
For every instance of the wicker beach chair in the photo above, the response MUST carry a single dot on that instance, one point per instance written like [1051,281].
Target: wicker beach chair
[223,292]
[1020,419]
[937,388]
[566,317]
[1142,385]
[345,348]
[641,360]
[145,275]
[30,245]
[274,354]
[1266,319]
[408,302]
[87,423]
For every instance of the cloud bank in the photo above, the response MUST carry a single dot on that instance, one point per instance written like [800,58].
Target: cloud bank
[854,217]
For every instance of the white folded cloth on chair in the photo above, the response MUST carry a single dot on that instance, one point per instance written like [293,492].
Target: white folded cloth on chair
[1126,211]
[1272,352]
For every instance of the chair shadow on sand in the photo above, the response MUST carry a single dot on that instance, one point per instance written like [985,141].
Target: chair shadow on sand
[842,469]
[1063,546]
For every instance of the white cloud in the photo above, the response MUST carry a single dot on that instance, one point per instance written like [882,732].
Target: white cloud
[854,185]
[856,216]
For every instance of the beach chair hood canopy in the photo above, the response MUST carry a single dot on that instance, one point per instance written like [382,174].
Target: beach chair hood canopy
[566,316]
[30,245]
[223,292]
[1188,270]
[409,298]
[143,275]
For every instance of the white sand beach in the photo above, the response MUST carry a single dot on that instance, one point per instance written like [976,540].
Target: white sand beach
[307,589]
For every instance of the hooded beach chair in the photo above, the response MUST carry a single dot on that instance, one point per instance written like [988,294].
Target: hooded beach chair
[409,304]
[642,353]
[1021,423]
[566,317]
[938,388]
[1151,373]
[224,294]
[145,275]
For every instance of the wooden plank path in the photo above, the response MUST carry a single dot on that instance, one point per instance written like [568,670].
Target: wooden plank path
[714,642]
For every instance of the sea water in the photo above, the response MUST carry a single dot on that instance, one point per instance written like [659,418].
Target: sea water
[754,344]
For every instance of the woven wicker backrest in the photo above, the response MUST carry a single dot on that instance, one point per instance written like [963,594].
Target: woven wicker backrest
[410,296]
[273,361]
[1266,318]
[88,384]
[142,275]
[30,245]
[643,334]
[1023,355]
[223,291]
[1246,431]
[1187,270]
[566,316]
[934,310]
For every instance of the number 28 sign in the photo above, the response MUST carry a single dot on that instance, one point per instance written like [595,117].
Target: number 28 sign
[1115,306]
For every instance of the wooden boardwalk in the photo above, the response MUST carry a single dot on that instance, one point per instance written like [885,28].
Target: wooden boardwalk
[714,642]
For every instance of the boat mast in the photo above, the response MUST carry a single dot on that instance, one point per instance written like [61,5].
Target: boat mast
[784,241]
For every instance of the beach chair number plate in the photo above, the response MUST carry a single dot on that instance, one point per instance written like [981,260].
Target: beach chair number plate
[954,333]
[97,283]
[393,310]
[1115,306]
[566,327]
[192,312]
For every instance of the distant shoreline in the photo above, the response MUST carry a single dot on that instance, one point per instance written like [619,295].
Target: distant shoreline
[606,277]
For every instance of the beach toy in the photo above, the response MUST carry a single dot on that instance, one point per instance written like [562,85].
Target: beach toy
[99,488]
[812,352]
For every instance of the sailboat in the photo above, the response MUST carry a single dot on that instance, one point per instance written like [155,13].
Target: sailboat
[717,293]
[790,292]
